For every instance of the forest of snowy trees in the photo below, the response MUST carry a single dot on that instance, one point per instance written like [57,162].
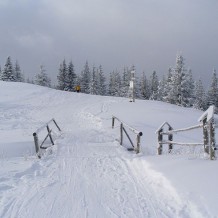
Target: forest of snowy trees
[176,87]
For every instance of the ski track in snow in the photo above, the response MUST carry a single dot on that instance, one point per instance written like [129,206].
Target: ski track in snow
[87,174]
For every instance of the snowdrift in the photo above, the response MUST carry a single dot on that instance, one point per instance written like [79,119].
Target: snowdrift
[87,173]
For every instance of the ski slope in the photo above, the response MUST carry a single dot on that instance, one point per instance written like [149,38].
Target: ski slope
[87,173]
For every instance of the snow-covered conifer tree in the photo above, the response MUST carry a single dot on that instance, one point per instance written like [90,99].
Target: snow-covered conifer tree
[62,76]
[17,72]
[102,80]
[70,78]
[8,72]
[154,86]
[94,82]
[175,95]
[213,91]
[144,87]
[200,98]
[125,82]
[167,87]
[161,89]
[114,84]
[187,89]
[42,78]
[86,79]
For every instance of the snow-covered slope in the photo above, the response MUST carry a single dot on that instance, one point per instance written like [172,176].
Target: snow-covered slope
[87,173]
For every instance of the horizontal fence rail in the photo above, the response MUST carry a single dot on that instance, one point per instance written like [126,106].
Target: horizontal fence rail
[39,147]
[123,127]
[208,129]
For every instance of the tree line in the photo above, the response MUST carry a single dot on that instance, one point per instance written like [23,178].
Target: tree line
[176,87]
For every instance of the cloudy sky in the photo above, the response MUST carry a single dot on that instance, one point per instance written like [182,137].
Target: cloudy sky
[113,33]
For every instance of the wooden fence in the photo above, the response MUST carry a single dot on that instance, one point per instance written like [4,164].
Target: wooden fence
[123,126]
[40,147]
[208,129]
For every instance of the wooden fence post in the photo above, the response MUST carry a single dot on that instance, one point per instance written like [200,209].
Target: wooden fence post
[57,125]
[212,139]
[113,119]
[121,133]
[170,138]
[205,136]
[49,134]
[36,141]
[160,140]
[138,142]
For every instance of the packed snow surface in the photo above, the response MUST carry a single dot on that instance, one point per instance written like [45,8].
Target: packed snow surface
[87,173]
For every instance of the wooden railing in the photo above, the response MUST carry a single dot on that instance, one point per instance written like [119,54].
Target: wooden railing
[206,123]
[123,126]
[39,146]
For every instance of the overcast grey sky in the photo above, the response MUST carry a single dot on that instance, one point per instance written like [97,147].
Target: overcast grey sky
[113,33]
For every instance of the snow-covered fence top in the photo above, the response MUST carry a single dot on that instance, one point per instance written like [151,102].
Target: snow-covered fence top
[39,130]
[209,114]
[45,125]
[207,123]
[122,129]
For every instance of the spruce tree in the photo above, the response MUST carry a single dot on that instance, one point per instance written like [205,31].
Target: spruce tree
[213,91]
[114,84]
[42,78]
[62,76]
[175,95]
[161,89]
[94,82]
[8,72]
[17,72]
[154,86]
[200,98]
[102,81]
[187,89]
[70,78]
[86,79]
[125,82]
[144,87]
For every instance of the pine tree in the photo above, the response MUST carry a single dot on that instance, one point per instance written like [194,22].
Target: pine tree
[187,89]
[102,80]
[114,84]
[17,71]
[161,89]
[125,83]
[213,91]
[70,78]
[154,86]
[0,73]
[42,78]
[175,95]
[62,76]
[86,79]
[200,98]
[8,72]
[94,82]
[167,87]
[144,87]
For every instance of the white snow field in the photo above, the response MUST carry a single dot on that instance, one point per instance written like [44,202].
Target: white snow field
[87,173]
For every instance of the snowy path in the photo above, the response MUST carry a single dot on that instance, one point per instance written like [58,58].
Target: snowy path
[88,173]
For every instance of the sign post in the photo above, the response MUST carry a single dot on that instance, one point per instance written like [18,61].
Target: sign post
[132,87]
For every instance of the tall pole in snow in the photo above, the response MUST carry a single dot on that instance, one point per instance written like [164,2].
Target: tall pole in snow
[132,87]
